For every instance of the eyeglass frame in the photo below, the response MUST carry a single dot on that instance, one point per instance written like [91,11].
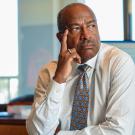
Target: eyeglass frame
[76,28]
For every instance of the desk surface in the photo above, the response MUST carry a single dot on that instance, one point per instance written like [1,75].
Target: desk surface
[16,119]
[13,125]
[20,114]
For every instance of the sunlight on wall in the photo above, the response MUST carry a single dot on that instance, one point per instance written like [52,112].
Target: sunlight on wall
[8,50]
[133,20]
[9,38]
[110,21]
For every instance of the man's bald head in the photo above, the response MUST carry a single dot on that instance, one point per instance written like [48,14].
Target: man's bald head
[70,11]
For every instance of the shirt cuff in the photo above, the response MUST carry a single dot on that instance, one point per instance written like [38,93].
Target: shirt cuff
[65,133]
[56,90]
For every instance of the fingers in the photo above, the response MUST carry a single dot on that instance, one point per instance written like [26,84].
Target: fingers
[64,42]
[69,50]
[74,56]
[70,54]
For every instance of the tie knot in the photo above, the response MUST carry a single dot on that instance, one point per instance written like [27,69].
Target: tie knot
[84,67]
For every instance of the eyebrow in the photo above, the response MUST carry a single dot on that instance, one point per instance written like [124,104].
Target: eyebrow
[92,21]
[76,24]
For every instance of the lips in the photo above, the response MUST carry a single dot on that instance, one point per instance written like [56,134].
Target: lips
[87,46]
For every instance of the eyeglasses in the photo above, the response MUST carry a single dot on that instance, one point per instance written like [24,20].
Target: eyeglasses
[75,29]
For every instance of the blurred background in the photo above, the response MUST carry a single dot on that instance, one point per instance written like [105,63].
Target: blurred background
[28,41]
[28,38]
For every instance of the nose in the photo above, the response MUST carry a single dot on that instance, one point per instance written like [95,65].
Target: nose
[85,33]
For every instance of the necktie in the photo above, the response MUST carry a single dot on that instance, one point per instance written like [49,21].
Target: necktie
[81,100]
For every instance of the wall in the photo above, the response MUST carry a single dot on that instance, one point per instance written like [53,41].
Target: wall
[35,46]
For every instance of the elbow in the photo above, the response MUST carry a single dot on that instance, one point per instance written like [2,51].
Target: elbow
[30,126]
[117,126]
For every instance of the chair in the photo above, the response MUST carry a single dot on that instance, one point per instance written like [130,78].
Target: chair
[23,100]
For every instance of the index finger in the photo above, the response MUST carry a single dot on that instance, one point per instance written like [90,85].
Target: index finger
[64,42]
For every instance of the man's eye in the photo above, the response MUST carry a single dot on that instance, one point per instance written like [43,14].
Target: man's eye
[75,29]
[91,26]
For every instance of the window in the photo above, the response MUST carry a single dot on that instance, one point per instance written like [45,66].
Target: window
[8,49]
[133,20]
[110,21]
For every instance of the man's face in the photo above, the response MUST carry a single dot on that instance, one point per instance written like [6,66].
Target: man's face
[83,32]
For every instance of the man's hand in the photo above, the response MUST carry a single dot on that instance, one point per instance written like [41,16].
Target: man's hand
[66,58]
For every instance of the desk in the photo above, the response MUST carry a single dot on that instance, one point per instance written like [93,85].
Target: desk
[13,125]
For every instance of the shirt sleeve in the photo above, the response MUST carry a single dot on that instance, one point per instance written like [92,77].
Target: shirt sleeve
[44,117]
[120,107]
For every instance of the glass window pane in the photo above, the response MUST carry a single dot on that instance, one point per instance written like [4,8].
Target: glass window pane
[109,17]
[4,93]
[9,38]
[13,88]
[133,20]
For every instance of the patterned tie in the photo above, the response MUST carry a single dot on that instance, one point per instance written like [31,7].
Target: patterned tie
[81,100]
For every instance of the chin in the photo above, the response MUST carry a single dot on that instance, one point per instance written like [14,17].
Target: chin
[86,56]
[83,60]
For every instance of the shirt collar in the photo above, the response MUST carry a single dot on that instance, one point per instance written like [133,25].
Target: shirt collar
[91,62]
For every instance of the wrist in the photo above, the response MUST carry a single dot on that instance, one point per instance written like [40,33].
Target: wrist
[58,79]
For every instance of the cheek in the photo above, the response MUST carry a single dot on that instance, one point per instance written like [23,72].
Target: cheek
[72,42]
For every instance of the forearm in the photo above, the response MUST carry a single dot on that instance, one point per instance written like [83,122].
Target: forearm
[44,118]
[105,128]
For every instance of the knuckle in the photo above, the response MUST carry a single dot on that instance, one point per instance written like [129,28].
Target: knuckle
[74,50]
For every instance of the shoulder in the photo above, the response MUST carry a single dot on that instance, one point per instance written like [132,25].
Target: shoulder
[111,57]
[109,50]
[48,68]
[112,53]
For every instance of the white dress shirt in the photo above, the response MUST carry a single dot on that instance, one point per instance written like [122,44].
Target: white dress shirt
[113,97]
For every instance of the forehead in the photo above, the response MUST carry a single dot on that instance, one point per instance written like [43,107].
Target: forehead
[77,14]
[81,20]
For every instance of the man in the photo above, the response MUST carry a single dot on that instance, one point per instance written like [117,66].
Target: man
[111,83]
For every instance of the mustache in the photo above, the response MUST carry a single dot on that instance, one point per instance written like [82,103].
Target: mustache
[87,42]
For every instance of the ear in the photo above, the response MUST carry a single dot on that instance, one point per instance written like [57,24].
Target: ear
[59,36]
